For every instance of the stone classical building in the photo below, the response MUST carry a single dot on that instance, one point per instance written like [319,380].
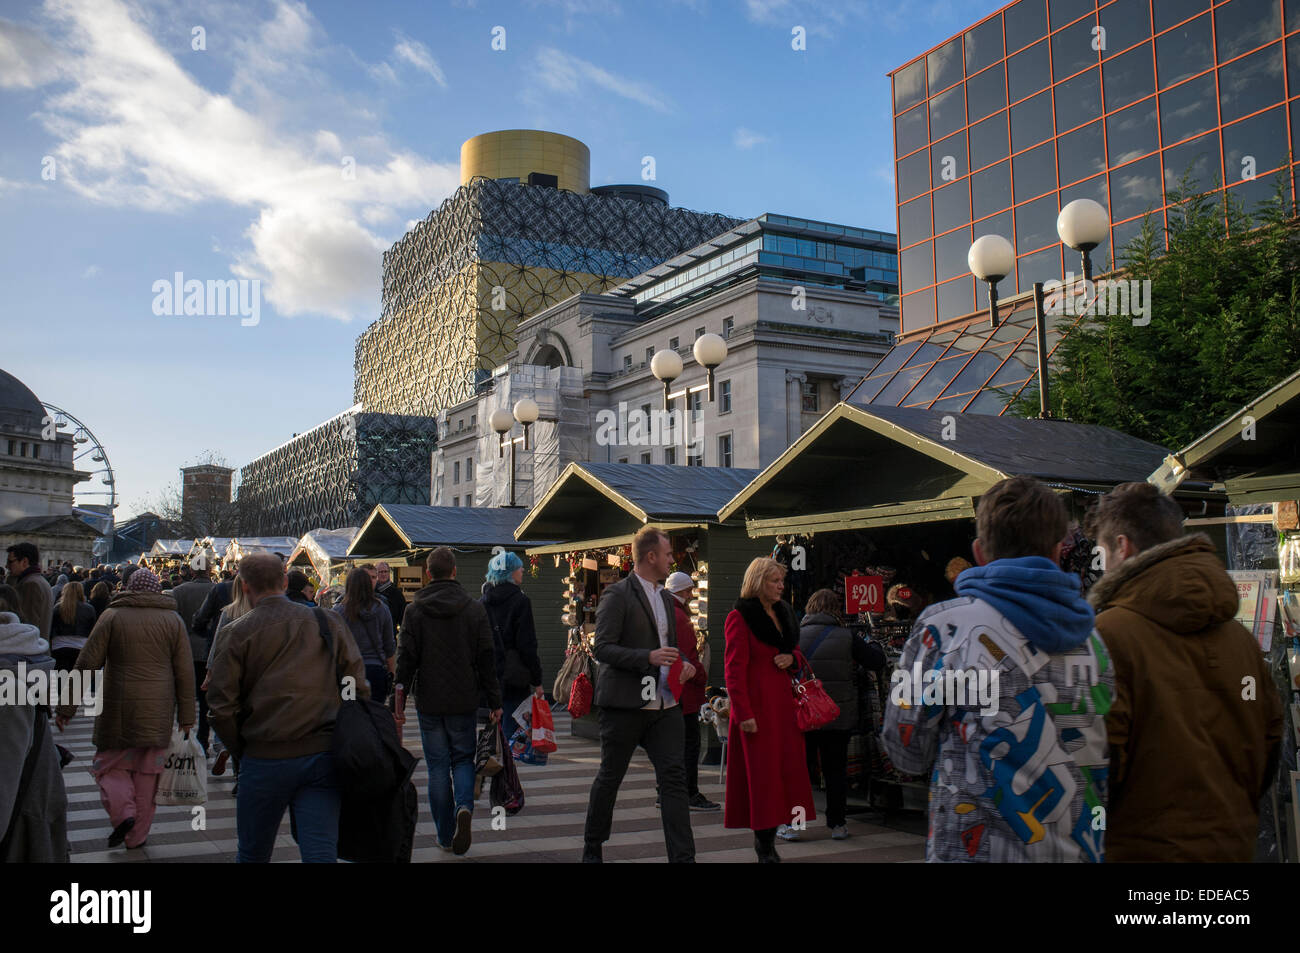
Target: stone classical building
[37,479]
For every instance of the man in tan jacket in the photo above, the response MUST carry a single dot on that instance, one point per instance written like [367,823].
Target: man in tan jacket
[1196,722]
[274,695]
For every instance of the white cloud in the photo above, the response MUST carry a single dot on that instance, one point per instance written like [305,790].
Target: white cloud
[136,129]
[747,138]
[26,59]
[565,73]
[417,54]
[91,272]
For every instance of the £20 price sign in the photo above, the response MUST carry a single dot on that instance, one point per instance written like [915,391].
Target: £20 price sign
[864,594]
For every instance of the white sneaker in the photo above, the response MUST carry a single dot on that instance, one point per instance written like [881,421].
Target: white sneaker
[840,833]
[786,832]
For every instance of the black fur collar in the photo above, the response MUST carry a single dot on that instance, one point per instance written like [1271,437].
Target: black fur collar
[760,623]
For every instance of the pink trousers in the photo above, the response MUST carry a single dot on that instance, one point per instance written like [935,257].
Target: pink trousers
[126,794]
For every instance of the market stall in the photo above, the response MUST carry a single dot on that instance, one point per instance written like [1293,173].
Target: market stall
[594,510]
[208,553]
[878,504]
[167,555]
[403,534]
[1254,457]
[240,546]
[323,553]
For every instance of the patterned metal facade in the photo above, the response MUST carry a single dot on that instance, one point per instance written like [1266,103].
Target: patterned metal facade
[495,252]
[336,473]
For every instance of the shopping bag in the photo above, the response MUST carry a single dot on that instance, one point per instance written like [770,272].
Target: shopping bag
[524,713]
[184,778]
[487,753]
[521,749]
[542,727]
[580,696]
[506,791]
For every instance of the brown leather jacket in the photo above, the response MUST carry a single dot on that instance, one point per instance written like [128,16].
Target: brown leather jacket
[274,691]
[1193,748]
[142,645]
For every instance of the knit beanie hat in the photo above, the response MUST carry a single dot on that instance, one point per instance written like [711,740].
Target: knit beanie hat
[142,580]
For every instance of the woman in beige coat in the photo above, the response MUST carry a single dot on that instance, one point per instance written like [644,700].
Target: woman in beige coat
[144,649]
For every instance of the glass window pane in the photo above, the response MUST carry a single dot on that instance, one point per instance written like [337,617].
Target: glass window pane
[1026,22]
[1028,71]
[948,159]
[1000,224]
[947,113]
[1043,265]
[1072,49]
[952,205]
[1293,62]
[991,189]
[986,93]
[988,141]
[909,86]
[1169,12]
[944,65]
[1034,172]
[1135,188]
[918,309]
[1242,25]
[914,175]
[950,254]
[1061,12]
[1082,153]
[1131,133]
[956,299]
[1254,198]
[1125,234]
[1031,121]
[1184,52]
[910,130]
[1128,77]
[1078,100]
[1126,22]
[1198,160]
[1292,11]
[1036,223]
[914,221]
[1251,83]
[1188,109]
[1255,146]
[984,44]
[918,265]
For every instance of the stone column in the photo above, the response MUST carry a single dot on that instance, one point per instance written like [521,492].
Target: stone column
[794,406]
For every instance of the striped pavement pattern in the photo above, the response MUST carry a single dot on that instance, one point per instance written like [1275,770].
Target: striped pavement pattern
[547,830]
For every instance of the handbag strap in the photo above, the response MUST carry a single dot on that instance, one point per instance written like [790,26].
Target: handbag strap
[807,659]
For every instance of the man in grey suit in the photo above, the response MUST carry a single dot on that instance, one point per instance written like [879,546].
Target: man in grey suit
[636,646]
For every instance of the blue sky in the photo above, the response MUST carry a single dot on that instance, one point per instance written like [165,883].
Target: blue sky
[226,162]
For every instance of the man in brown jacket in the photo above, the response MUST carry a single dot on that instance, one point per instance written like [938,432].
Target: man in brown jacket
[1196,722]
[36,599]
[274,695]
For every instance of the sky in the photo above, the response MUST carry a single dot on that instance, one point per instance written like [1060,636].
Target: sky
[290,144]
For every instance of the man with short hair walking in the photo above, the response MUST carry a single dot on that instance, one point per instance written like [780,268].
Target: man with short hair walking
[636,645]
[36,598]
[446,655]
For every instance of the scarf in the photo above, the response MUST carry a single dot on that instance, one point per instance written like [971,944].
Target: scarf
[785,639]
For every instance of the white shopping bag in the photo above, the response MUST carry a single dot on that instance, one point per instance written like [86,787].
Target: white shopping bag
[524,713]
[185,773]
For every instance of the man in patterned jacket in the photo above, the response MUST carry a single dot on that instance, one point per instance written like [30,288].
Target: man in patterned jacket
[1003,692]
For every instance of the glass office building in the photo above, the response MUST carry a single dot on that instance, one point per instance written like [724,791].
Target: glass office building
[1046,101]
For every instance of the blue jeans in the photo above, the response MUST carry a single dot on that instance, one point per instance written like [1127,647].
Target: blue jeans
[269,785]
[449,742]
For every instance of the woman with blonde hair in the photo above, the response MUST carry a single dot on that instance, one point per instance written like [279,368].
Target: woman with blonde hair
[74,617]
[767,775]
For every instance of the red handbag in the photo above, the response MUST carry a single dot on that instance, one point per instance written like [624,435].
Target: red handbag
[580,696]
[812,706]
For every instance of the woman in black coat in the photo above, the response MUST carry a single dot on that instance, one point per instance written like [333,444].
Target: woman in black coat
[519,670]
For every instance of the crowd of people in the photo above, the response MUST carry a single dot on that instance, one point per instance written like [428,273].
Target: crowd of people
[1139,723]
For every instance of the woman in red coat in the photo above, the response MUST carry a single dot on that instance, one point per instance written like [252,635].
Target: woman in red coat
[767,777]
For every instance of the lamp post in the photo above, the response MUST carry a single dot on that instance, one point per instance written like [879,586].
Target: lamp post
[502,421]
[710,350]
[1083,225]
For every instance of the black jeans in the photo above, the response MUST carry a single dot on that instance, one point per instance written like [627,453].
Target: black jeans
[833,745]
[691,755]
[65,660]
[660,733]
[200,673]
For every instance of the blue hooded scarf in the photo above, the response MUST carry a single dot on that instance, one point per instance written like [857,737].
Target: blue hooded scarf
[1044,603]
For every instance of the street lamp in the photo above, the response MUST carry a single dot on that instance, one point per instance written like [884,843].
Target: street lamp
[1083,225]
[502,421]
[710,350]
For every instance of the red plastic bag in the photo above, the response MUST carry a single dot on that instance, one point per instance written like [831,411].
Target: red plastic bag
[543,727]
[580,696]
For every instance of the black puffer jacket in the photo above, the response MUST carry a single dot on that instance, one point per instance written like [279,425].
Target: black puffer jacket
[510,613]
[833,663]
[445,654]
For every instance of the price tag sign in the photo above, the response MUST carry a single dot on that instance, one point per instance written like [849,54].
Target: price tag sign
[863,594]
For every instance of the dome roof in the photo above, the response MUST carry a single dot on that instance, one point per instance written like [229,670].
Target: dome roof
[17,403]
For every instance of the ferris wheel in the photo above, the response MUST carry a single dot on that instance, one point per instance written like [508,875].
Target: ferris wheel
[102,488]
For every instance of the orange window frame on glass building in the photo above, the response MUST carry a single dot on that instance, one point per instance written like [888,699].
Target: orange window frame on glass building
[1046,101]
